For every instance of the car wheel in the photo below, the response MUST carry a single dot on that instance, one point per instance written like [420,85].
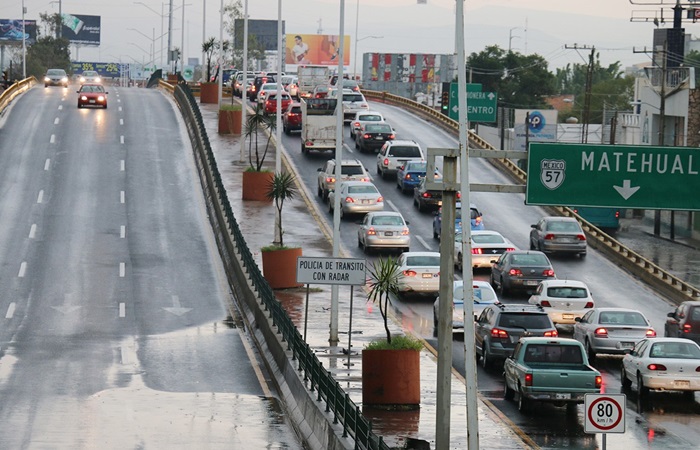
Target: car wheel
[523,403]
[357,146]
[624,381]
[379,171]
[493,282]
[532,245]
[342,214]
[582,255]
[285,129]
[508,393]
[486,359]
[689,395]
[590,351]
[325,194]
[421,208]
[642,390]
[303,148]
[359,242]
[79,106]
[330,207]
[320,191]
[436,236]
[384,175]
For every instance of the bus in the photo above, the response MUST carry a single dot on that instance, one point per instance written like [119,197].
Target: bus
[607,219]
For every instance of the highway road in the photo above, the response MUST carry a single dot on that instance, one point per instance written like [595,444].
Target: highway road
[118,326]
[667,421]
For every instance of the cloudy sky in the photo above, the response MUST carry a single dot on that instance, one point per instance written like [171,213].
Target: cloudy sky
[544,27]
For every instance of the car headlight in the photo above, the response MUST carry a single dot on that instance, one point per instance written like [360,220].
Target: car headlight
[83,97]
[98,80]
[64,79]
[101,98]
[47,79]
[82,79]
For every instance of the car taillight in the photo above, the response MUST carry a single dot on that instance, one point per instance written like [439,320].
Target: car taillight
[405,232]
[409,273]
[459,195]
[528,379]
[545,304]
[548,273]
[548,237]
[581,237]
[656,367]
[477,220]
[357,124]
[515,273]
[408,176]
[386,161]
[589,305]
[380,199]
[366,136]
[426,195]
[687,328]
[391,136]
[510,249]
[292,114]
[601,332]
[551,333]
[617,214]
[330,180]
[477,251]
[371,232]
[497,333]
[598,381]
[349,200]
[650,333]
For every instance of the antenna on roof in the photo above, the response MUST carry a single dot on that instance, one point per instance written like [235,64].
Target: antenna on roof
[320,27]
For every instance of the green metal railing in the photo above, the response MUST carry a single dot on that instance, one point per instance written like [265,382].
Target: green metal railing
[317,378]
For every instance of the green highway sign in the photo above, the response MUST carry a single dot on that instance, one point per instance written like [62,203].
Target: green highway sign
[481,106]
[616,176]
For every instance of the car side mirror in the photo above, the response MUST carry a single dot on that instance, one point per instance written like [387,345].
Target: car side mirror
[408,223]
[578,319]
[628,351]
[320,169]
[673,315]
[533,226]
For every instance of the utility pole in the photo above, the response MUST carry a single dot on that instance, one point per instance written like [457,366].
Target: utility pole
[586,113]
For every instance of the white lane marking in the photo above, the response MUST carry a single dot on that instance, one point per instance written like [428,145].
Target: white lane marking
[52,140]
[121,139]
[122,270]
[55,121]
[122,310]
[392,206]
[121,197]
[119,100]
[121,121]
[347,147]
[32,231]
[122,166]
[120,108]
[22,269]
[122,231]
[10,311]
[47,164]
[60,107]
[422,241]
[40,198]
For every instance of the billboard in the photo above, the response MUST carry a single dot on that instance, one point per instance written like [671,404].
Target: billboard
[263,31]
[542,127]
[11,32]
[81,30]
[108,70]
[316,49]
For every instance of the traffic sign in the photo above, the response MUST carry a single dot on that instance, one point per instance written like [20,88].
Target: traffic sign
[615,176]
[346,271]
[604,413]
[481,106]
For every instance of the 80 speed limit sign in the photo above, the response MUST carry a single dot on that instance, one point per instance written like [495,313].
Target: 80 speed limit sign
[605,413]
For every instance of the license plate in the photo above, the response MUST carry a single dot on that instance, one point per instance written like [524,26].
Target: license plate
[427,275]
[562,396]
[626,344]
[681,383]
[91,101]
[366,201]
[531,283]
[568,316]
[388,233]
[379,138]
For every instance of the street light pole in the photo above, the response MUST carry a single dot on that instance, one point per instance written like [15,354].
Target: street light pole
[182,39]
[24,44]
[204,34]
[357,26]
[170,30]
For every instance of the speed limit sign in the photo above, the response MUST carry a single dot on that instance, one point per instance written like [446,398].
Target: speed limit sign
[605,413]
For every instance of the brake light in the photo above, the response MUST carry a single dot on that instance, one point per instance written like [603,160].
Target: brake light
[497,333]
[650,333]
[617,214]
[598,381]
[349,200]
[515,273]
[545,304]
[477,251]
[510,249]
[386,161]
[477,220]
[409,273]
[426,195]
[405,232]
[330,180]
[588,305]
[357,124]
[380,199]
[371,232]
[601,332]
[459,195]
[548,273]
[551,333]
[391,136]
[366,180]
[528,379]
[687,328]
[408,176]
[548,237]
[581,237]
[656,367]
[366,136]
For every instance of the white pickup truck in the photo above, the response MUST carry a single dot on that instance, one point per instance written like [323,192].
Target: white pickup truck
[318,124]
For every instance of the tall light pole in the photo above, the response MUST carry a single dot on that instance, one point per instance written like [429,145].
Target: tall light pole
[357,28]
[182,39]
[204,33]
[511,37]
[359,40]
[170,30]
[244,85]
[278,128]
[24,44]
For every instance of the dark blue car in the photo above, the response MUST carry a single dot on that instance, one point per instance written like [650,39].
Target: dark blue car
[476,220]
[409,176]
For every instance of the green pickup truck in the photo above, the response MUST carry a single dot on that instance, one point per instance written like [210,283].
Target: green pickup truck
[552,370]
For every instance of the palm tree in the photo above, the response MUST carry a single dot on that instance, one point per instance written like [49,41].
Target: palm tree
[282,187]
[384,282]
[208,48]
[253,124]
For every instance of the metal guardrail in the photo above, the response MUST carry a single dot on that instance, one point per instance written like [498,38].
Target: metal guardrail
[316,377]
[661,280]
[14,90]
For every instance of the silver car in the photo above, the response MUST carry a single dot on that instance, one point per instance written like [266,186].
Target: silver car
[385,229]
[611,330]
[356,197]
[556,234]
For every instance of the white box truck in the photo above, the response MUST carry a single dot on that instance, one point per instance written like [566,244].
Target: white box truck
[318,124]
[311,76]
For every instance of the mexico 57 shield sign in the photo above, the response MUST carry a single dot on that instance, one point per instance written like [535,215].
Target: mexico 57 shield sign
[615,176]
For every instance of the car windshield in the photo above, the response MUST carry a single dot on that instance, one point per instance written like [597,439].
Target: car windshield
[563,226]
[273,96]
[92,89]
[525,321]
[622,318]
[426,260]
[370,118]
[567,292]
[553,353]
[296,109]
[378,128]
[353,98]
[404,151]
[387,220]
[352,170]
[487,238]
[89,73]
[531,259]
[365,189]
[677,350]
[56,72]
[269,86]
[417,167]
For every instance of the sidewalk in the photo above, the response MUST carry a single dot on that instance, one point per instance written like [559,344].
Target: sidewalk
[256,220]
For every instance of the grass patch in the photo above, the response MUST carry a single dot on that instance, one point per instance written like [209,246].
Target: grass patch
[401,342]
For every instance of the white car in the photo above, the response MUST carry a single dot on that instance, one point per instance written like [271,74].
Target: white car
[487,245]
[90,76]
[356,197]
[484,295]
[662,364]
[420,273]
[385,229]
[564,300]
[395,154]
[611,330]
[266,89]
[353,102]
[361,119]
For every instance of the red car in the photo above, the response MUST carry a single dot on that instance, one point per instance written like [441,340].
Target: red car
[92,95]
[291,118]
[271,103]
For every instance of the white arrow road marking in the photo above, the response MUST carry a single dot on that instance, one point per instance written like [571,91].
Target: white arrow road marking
[626,190]
[176,308]
[122,309]
[422,241]
[67,306]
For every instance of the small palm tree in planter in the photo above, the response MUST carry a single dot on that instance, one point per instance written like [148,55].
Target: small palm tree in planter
[208,90]
[279,261]
[391,366]
[255,178]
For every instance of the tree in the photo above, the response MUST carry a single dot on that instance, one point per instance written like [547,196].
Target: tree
[48,52]
[208,47]
[282,187]
[253,124]
[384,282]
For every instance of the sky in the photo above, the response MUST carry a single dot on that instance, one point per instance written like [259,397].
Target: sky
[544,27]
